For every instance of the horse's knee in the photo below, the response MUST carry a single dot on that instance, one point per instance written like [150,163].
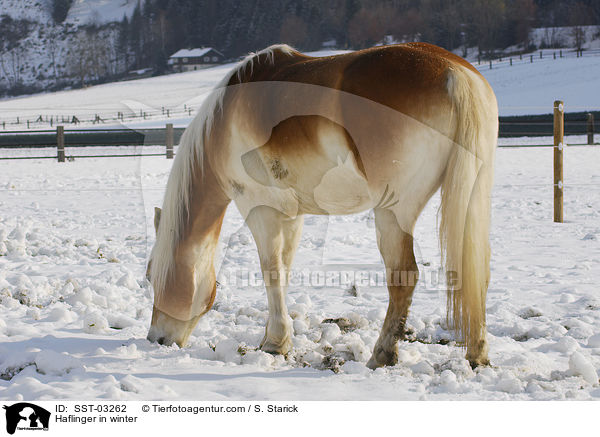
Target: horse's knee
[167,330]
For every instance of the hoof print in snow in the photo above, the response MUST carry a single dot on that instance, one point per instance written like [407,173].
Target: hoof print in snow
[530,313]
[333,363]
[11,372]
[343,323]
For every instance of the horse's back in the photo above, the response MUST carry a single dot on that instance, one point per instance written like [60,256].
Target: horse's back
[340,131]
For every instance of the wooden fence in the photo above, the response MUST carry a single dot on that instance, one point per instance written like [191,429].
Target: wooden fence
[167,137]
[518,126]
[530,58]
[73,139]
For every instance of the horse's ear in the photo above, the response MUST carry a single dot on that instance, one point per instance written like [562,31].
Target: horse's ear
[157,212]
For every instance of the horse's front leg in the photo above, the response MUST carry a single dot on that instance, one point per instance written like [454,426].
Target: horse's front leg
[277,238]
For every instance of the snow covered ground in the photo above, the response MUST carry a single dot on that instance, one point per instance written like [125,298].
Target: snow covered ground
[75,307]
[524,88]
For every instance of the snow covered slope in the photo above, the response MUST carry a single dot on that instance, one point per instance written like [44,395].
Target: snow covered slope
[38,11]
[81,12]
[41,58]
[531,88]
[100,11]
[523,88]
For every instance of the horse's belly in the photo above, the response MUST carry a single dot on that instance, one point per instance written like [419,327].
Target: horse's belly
[343,189]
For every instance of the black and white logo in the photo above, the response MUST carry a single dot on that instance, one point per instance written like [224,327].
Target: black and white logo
[26,417]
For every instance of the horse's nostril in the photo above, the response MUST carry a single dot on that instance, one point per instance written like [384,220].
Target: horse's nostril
[161,340]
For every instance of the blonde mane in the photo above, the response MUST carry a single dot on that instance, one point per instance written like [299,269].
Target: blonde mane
[188,160]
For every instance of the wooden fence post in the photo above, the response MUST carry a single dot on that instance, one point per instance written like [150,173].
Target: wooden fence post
[590,128]
[169,140]
[559,131]
[60,143]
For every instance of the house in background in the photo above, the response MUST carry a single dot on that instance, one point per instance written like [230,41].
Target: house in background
[195,59]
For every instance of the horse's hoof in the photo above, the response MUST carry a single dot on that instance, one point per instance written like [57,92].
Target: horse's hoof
[382,358]
[479,362]
[276,348]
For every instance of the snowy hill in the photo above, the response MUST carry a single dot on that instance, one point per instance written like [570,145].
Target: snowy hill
[40,59]
[100,11]
[38,11]
[523,88]
[82,11]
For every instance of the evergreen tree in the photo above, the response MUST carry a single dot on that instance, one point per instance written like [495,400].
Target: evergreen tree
[60,9]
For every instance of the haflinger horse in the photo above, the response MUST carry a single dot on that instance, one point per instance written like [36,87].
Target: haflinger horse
[285,134]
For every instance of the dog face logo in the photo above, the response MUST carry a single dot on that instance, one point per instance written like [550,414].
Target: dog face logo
[25,416]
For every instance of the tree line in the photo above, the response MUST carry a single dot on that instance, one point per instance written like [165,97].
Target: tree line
[158,28]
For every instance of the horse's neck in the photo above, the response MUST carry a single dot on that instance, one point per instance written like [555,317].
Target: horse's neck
[206,208]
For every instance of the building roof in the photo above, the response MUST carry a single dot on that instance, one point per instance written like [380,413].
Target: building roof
[194,53]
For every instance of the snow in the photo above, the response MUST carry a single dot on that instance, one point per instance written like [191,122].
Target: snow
[75,307]
[531,88]
[581,366]
[84,12]
[33,10]
[191,53]
[523,88]
[565,36]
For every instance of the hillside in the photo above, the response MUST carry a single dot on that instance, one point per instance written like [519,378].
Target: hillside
[89,41]
[523,88]
[37,54]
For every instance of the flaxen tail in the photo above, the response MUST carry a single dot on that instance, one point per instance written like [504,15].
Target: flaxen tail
[465,207]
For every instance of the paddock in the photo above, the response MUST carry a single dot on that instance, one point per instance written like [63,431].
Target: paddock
[76,307]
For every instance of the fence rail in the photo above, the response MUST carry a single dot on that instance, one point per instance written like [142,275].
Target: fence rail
[95,118]
[534,57]
[518,126]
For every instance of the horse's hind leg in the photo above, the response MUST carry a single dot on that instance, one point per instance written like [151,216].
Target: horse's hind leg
[396,247]
[277,238]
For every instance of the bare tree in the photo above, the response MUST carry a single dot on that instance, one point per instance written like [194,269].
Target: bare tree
[52,47]
[11,65]
[371,25]
[88,59]
[579,16]
[487,17]
[293,31]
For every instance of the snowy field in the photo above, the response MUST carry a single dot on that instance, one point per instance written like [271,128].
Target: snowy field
[75,307]
[523,88]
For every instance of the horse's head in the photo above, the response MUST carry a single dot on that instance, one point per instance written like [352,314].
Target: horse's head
[181,269]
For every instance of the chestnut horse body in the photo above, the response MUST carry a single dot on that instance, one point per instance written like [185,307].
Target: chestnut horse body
[285,134]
